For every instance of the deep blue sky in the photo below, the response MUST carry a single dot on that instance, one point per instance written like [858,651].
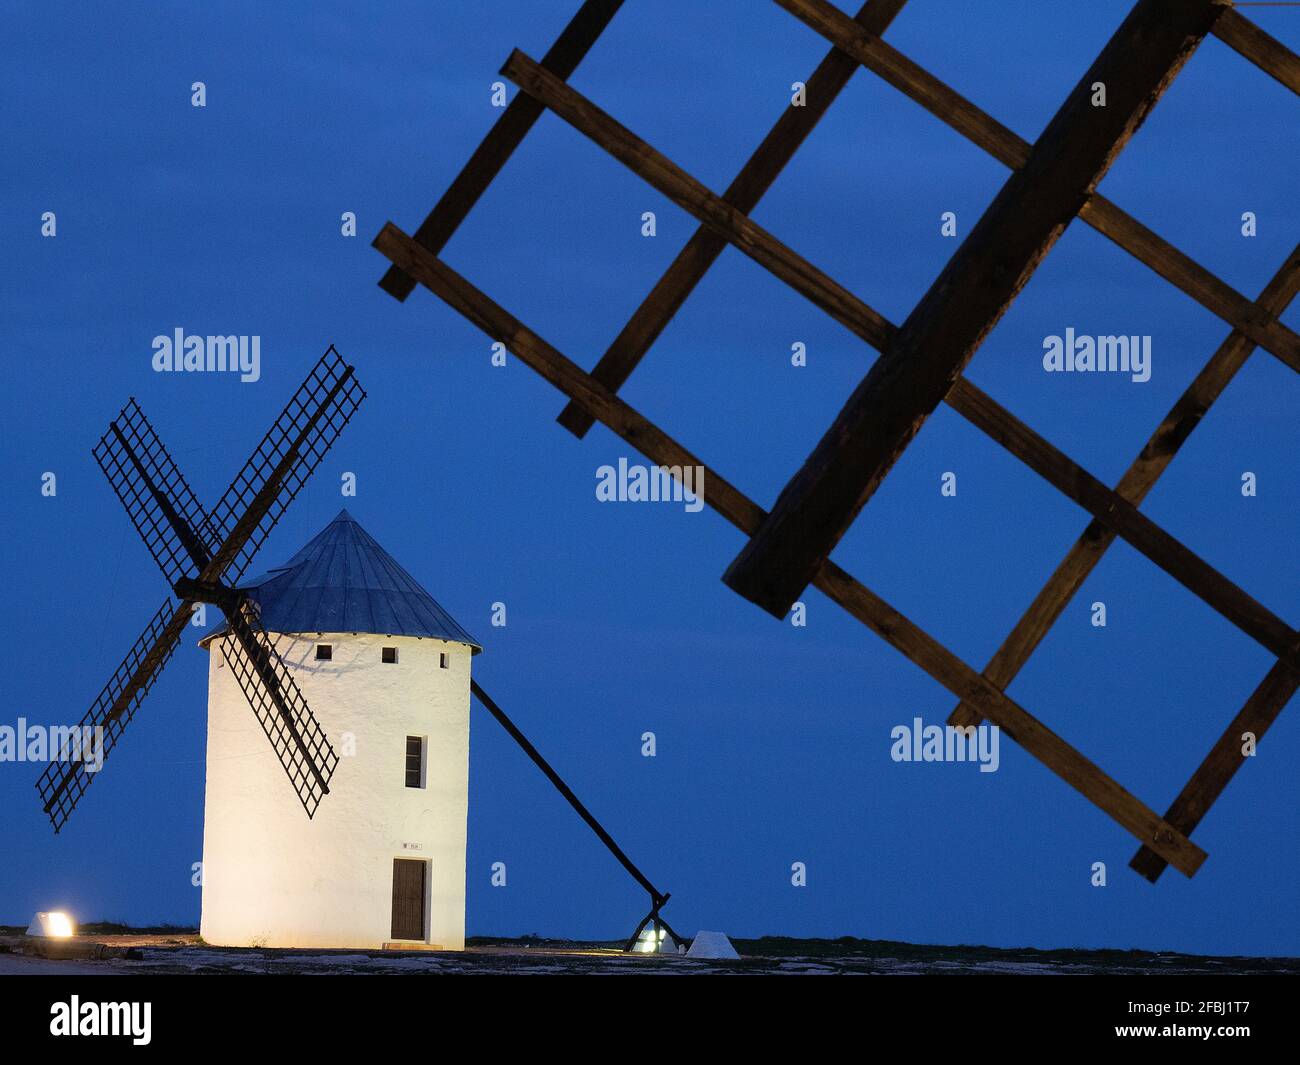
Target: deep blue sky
[773,741]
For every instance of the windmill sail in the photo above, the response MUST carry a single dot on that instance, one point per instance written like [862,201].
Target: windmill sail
[159,501]
[280,465]
[63,782]
[295,734]
[201,555]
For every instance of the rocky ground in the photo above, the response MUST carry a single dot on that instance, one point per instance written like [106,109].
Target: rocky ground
[179,951]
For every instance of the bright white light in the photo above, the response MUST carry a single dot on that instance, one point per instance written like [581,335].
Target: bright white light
[53,925]
[649,943]
[60,925]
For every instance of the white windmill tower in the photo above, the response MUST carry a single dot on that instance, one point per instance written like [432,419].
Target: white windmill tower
[387,672]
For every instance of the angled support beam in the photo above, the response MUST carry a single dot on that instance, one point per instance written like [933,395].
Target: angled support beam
[703,249]
[557,781]
[657,898]
[505,136]
[720,216]
[1138,480]
[970,295]
[1267,53]
[986,132]
[879,616]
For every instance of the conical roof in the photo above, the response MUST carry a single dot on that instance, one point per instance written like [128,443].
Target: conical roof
[344,581]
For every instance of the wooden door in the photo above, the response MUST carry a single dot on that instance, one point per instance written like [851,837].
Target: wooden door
[408,898]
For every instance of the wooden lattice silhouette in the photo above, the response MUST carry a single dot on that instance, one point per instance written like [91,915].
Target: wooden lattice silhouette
[1052,182]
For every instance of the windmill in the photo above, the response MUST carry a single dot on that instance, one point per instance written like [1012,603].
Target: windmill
[202,556]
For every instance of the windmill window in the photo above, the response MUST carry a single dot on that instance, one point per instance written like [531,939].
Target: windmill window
[388,654]
[444,660]
[324,652]
[414,761]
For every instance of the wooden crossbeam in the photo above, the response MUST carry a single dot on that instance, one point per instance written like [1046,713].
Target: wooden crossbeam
[724,219]
[1113,510]
[702,250]
[1267,53]
[1223,761]
[505,136]
[893,627]
[968,298]
[1000,424]
[986,132]
[1138,480]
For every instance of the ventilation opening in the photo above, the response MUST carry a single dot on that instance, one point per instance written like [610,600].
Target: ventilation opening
[444,660]
[324,652]
[388,654]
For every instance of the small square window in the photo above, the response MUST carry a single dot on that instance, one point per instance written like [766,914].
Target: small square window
[324,652]
[388,654]
[444,660]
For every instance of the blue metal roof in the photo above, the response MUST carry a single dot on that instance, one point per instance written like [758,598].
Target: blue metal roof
[343,581]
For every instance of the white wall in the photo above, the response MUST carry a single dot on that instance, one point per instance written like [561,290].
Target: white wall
[272,877]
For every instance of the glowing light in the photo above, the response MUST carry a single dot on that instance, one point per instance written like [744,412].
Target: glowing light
[649,943]
[53,924]
[60,925]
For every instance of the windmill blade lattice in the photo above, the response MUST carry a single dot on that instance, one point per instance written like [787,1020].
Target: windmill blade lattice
[288,454]
[159,501]
[201,555]
[282,711]
[63,782]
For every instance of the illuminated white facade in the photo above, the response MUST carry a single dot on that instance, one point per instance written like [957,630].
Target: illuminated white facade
[272,876]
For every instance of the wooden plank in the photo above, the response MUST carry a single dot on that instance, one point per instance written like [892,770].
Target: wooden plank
[507,132]
[1113,510]
[1138,480]
[1223,761]
[565,375]
[1014,720]
[1067,476]
[1210,292]
[730,223]
[1018,438]
[712,210]
[1011,150]
[970,295]
[1270,55]
[912,80]
[746,515]
[703,249]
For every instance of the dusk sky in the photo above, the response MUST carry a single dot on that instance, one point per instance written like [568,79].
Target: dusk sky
[773,741]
